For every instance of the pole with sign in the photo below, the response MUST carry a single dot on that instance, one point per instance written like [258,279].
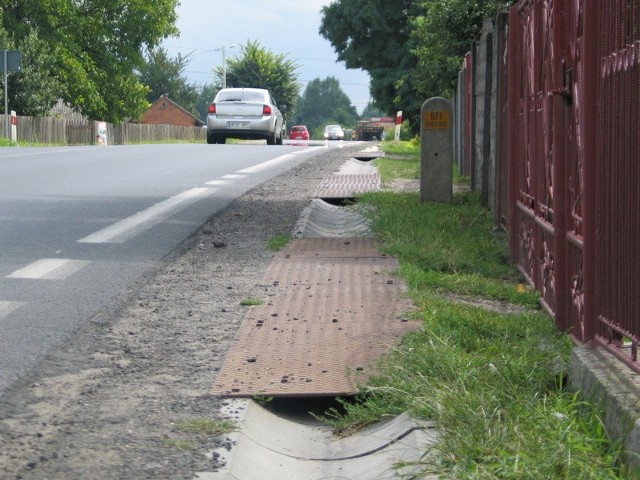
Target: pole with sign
[436,148]
[398,125]
[11,62]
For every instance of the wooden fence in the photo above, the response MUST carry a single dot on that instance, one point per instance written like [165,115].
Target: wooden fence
[58,131]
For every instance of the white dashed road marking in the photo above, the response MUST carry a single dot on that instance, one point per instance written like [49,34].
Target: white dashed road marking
[7,307]
[128,228]
[232,176]
[50,269]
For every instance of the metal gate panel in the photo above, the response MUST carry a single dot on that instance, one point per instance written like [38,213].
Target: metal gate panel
[617,176]
[568,126]
[533,244]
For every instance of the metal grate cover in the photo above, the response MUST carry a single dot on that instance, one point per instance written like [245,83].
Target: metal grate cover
[348,185]
[341,310]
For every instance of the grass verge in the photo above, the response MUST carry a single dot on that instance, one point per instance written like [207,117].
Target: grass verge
[492,379]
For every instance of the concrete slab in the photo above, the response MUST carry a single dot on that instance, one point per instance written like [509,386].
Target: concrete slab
[330,221]
[355,166]
[271,447]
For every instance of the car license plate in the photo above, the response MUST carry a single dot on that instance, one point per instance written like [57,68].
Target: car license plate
[242,125]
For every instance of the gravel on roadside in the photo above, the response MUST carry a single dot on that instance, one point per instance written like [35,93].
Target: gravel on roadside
[109,404]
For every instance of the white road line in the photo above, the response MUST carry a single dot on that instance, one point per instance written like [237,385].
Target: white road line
[277,161]
[233,176]
[268,164]
[7,307]
[50,269]
[129,227]
[219,182]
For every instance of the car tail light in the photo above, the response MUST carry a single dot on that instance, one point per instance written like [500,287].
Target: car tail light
[212,108]
[266,110]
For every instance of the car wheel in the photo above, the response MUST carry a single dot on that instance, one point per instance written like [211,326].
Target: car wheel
[222,139]
[271,139]
[211,139]
[279,141]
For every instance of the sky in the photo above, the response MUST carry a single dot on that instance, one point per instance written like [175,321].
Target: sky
[280,26]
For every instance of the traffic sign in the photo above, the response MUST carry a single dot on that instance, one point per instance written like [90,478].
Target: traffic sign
[10,61]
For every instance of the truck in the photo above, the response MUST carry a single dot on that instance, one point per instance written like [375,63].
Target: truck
[372,129]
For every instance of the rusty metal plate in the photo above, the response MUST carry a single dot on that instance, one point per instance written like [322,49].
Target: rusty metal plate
[323,336]
[348,186]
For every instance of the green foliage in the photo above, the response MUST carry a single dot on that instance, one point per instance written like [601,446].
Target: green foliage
[259,68]
[412,50]
[375,35]
[443,33]
[251,301]
[33,90]
[372,111]
[487,366]
[278,242]
[92,49]
[163,75]
[322,103]
[205,97]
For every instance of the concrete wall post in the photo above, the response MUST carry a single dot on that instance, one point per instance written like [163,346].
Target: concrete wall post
[436,134]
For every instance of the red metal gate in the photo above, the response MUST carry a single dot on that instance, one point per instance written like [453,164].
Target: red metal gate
[574,173]
[532,192]
[617,177]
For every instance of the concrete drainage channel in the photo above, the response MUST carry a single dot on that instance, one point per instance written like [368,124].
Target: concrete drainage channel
[341,309]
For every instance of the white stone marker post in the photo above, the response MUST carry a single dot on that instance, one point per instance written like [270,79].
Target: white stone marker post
[436,149]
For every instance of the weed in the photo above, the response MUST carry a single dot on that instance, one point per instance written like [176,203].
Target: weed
[278,242]
[247,302]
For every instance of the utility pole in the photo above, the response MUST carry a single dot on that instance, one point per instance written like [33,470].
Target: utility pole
[224,63]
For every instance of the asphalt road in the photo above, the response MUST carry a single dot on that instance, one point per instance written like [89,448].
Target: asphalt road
[79,226]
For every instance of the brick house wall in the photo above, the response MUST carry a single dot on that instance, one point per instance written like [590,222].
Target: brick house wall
[165,111]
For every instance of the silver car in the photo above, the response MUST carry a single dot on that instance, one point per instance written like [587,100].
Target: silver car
[333,132]
[247,113]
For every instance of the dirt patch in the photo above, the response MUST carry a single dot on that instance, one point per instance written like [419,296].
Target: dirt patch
[110,403]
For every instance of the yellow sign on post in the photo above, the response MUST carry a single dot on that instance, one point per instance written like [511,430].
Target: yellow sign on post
[436,151]
[436,120]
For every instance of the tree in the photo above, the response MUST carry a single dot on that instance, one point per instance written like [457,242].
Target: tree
[163,75]
[259,68]
[94,48]
[325,102]
[205,97]
[371,111]
[376,36]
[411,49]
[443,34]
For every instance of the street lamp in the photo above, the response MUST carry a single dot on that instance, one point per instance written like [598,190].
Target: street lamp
[224,63]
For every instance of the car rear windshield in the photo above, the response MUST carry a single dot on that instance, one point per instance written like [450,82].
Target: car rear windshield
[298,129]
[241,96]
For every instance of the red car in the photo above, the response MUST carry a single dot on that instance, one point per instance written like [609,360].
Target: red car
[299,132]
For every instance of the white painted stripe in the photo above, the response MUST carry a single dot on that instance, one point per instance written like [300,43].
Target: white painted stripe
[50,269]
[268,164]
[233,176]
[7,307]
[219,182]
[129,227]
[276,161]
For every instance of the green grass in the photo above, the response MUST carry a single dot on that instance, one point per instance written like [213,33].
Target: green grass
[278,242]
[248,302]
[492,381]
